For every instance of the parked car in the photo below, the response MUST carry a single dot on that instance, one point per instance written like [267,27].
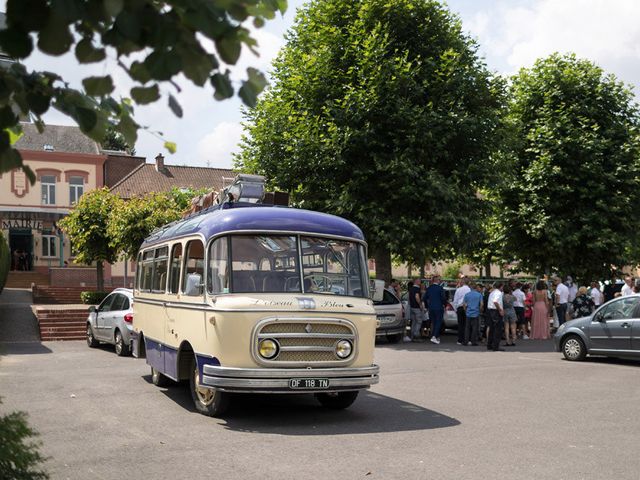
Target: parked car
[450,315]
[389,312]
[610,331]
[112,321]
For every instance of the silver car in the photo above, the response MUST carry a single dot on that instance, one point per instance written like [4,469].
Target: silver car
[391,321]
[612,330]
[112,321]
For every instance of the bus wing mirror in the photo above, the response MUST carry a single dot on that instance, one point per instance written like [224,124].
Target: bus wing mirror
[377,290]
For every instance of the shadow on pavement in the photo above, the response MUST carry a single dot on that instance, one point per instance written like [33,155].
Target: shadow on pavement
[22,348]
[302,414]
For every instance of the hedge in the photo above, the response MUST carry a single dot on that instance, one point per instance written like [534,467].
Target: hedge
[93,298]
[5,261]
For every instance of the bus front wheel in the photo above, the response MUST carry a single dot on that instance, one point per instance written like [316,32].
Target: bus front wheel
[212,403]
[337,400]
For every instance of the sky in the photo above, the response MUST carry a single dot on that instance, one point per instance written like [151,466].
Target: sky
[511,34]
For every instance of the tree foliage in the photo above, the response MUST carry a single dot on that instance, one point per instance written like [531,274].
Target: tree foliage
[86,227]
[114,140]
[19,455]
[152,41]
[567,202]
[136,218]
[380,112]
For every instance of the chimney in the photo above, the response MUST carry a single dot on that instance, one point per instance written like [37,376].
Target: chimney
[160,163]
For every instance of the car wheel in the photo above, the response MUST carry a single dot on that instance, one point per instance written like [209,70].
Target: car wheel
[122,349]
[394,338]
[573,348]
[91,340]
[158,379]
[337,400]
[210,402]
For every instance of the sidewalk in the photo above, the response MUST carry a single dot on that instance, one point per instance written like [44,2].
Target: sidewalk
[17,321]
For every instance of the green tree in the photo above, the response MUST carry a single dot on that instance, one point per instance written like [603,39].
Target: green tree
[19,455]
[381,112]
[137,217]
[153,42]
[567,202]
[86,227]
[114,140]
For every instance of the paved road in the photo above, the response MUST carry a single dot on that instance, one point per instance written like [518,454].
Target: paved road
[17,321]
[440,412]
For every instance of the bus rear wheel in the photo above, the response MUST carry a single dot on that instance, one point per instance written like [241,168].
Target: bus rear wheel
[337,400]
[212,403]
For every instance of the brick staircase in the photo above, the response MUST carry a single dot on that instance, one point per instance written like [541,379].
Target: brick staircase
[62,324]
[17,279]
[60,295]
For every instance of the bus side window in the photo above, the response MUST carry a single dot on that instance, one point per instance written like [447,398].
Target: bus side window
[218,270]
[160,270]
[192,278]
[176,261]
[146,273]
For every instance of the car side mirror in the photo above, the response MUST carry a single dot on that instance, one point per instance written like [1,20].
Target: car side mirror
[599,317]
[93,309]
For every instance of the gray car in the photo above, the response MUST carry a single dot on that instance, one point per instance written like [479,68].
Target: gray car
[112,321]
[612,330]
[389,312]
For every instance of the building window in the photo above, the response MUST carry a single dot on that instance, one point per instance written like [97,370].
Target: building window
[76,189]
[49,245]
[48,189]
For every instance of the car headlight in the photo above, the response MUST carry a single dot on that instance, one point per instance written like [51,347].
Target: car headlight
[561,328]
[343,348]
[268,348]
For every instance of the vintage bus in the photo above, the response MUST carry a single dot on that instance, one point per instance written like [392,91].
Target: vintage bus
[247,297]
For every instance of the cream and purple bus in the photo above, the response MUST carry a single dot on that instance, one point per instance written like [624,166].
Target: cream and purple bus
[246,297]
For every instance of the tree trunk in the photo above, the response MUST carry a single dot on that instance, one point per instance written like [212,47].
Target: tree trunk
[487,268]
[422,269]
[99,276]
[382,255]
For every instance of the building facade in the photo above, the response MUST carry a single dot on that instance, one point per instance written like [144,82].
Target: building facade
[66,164]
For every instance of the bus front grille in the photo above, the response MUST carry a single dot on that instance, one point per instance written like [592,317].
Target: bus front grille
[305,341]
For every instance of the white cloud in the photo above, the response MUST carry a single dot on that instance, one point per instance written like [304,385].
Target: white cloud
[605,32]
[216,148]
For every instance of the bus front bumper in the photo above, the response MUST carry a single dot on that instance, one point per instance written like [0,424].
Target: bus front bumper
[288,380]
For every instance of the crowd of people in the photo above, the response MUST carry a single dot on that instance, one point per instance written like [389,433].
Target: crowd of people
[509,311]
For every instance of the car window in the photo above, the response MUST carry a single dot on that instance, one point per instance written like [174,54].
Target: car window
[388,298]
[620,309]
[105,306]
[125,303]
[118,303]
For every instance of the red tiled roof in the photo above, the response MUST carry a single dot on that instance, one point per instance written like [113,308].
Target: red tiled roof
[146,179]
[116,167]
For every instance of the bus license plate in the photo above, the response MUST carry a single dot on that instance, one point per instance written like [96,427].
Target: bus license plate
[308,383]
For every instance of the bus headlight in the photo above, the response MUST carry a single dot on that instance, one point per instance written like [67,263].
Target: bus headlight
[268,348]
[343,348]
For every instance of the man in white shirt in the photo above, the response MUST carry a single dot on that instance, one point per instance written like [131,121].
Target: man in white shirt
[518,306]
[496,313]
[562,299]
[458,301]
[627,288]
[596,294]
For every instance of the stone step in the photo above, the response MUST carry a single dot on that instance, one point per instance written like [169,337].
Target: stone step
[57,337]
[62,329]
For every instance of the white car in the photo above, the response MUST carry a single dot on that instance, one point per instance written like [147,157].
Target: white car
[112,321]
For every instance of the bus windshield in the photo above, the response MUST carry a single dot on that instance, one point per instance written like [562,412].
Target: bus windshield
[289,263]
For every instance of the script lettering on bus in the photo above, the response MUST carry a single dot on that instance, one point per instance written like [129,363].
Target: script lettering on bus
[273,303]
[331,304]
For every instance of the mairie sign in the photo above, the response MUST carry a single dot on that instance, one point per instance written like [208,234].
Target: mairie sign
[7,223]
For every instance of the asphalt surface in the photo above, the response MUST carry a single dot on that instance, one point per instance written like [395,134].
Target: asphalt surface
[440,412]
